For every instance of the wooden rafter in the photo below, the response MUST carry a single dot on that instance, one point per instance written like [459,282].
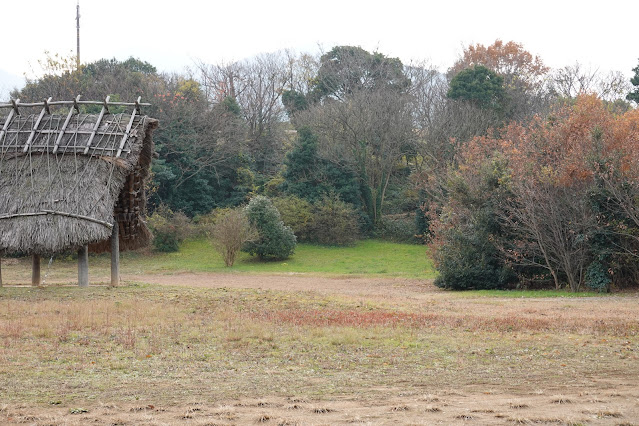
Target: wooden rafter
[105,109]
[3,132]
[66,123]
[45,110]
[128,128]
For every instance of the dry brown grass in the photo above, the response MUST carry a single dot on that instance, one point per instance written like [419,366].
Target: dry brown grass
[140,354]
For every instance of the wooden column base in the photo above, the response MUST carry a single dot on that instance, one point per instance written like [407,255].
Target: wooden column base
[83,266]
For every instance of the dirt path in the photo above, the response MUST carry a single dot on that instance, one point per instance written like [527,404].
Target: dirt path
[353,286]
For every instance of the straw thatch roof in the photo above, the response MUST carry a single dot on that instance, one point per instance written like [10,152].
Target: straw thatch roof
[64,177]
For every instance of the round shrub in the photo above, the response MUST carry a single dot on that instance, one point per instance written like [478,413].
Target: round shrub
[296,213]
[468,261]
[276,241]
[169,229]
[334,222]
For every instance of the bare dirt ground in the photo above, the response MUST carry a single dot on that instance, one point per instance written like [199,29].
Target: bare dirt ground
[606,395]
[612,406]
[401,288]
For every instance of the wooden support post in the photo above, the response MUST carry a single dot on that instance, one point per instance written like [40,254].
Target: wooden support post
[35,270]
[115,254]
[83,266]
[0,269]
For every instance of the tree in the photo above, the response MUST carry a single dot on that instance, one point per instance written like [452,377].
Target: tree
[634,95]
[309,176]
[558,211]
[201,149]
[510,60]
[361,113]
[200,144]
[465,226]
[480,86]
[256,85]
[276,241]
[524,76]
[574,80]
[551,225]
[345,70]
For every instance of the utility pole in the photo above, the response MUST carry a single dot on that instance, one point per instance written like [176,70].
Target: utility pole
[77,18]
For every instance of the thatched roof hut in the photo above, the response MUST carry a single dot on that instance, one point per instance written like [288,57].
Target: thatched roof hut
[66,179]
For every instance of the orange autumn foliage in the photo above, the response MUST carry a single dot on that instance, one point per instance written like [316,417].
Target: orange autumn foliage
[567,148]
[506,59]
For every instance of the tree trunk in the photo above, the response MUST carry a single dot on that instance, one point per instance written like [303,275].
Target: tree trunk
[83,266]
[0,271]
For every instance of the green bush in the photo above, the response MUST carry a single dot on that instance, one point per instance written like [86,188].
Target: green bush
[298,214]
[334,222]
[597,278]
[470,265]
[276,240]
[467,258]
[399,229]
[169,229]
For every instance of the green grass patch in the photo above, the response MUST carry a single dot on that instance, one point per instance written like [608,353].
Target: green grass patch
[369,257]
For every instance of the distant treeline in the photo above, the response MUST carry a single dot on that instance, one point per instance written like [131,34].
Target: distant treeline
[514,173]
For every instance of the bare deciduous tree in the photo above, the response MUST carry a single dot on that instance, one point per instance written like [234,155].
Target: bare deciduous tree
[230,232]
[256,85]
[368,133]
[551,224]
[573,80]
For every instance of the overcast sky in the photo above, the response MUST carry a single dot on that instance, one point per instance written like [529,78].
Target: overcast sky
[173,34]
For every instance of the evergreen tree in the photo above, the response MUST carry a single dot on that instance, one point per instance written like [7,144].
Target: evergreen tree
[634,95]
[309,177]
[276,241]
[480,86]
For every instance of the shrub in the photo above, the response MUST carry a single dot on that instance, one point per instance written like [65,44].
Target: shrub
[230,232]
[334,222]
[169,228]
[399,229]
[468,261]
[597,278]
[298,214]
[276,241]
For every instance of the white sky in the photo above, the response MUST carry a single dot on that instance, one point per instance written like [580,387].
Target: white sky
[172,34]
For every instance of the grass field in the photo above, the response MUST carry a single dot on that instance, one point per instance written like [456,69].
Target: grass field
[369,257]
[407,353]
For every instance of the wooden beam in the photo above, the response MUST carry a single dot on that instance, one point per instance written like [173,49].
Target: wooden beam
[35,270]
[83,266]
[128,130]
[15,104]
[7,122]
[64,126]
[105,109]
[45,110]
[115,254]
[46,212]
